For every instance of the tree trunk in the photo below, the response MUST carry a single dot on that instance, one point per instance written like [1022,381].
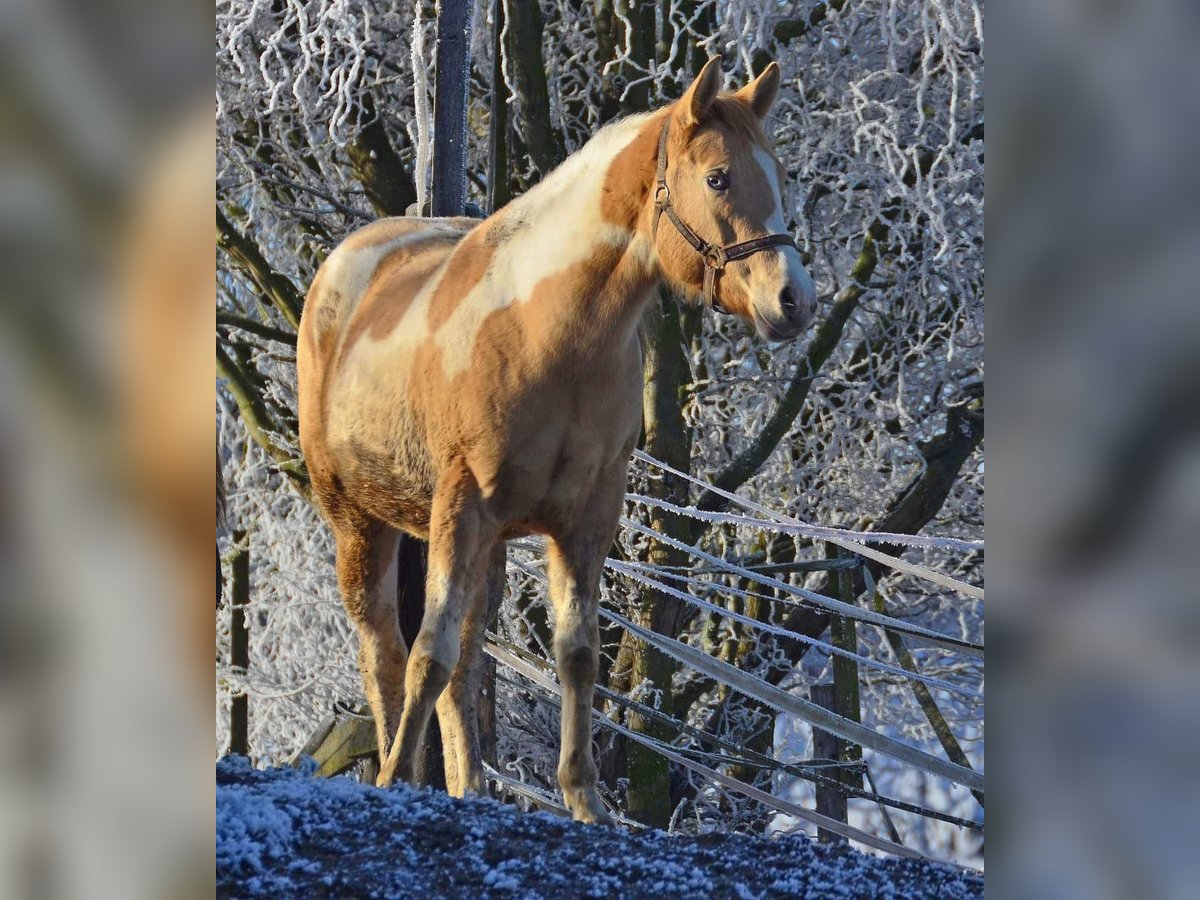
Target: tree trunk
[387,184]
[668,439]
[632,81]
[542,142]
[498,186]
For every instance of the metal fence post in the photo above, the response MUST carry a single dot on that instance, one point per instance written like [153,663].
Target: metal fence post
[450,107]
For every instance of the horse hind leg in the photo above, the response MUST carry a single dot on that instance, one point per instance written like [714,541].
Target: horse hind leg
[366,566]
[455,712]
[458,706]
[458,532]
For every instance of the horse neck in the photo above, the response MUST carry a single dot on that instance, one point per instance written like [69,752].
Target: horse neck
[583,241]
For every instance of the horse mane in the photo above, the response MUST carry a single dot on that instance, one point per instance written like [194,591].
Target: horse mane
[598,147]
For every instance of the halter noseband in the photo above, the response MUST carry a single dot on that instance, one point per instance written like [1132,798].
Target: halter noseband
[715,256]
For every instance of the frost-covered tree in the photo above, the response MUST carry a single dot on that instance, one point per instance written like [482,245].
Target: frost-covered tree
[873,421]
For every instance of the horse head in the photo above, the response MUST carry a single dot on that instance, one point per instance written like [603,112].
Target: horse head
[720,186]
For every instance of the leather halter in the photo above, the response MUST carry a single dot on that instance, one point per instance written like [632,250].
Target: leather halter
[715,256]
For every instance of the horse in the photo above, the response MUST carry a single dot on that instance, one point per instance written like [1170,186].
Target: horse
[472,382]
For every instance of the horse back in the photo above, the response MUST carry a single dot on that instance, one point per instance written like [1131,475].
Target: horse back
[350,276]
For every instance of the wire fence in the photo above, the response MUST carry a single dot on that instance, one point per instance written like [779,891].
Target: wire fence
[708,755]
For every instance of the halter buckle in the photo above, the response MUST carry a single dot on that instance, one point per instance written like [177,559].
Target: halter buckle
[662,195]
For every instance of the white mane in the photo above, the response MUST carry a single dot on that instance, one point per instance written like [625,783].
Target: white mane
[583,168]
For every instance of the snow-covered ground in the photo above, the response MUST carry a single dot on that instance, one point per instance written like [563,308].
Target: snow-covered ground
[282,832]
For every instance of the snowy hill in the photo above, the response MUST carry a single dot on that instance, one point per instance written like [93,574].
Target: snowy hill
[281,832]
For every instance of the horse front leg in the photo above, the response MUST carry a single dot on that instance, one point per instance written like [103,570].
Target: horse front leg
[458,532]
[576,561]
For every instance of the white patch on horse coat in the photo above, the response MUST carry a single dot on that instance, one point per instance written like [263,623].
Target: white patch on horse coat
[770,170]
[561,227]
[797,275]
[349,269]
[373,372]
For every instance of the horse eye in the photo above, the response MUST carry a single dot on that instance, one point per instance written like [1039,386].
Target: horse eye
[718,181]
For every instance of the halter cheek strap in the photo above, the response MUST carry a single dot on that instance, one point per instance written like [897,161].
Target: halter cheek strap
[715,256]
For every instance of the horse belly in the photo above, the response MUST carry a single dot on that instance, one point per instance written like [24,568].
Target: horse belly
[390,494]
[377,444]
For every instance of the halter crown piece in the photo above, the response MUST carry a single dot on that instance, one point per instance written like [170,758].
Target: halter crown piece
[715,256]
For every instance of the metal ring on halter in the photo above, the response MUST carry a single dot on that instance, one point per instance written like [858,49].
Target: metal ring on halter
[715,258]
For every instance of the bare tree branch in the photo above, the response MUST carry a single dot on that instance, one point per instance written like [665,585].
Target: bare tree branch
[259,422]
[826,339]
[270,332]
[277,288]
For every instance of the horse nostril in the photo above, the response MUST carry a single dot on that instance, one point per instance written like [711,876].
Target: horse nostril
[787,300]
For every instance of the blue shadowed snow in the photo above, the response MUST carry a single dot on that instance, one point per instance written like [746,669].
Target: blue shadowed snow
[282,832]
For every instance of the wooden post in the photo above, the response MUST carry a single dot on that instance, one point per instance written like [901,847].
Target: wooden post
[831,801]
[239,643]
[450,107]
[844,636]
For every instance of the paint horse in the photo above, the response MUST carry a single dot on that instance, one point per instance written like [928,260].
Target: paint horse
[471,382]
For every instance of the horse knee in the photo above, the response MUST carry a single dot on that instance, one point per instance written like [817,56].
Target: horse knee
[435,654]
[576,652]
[578,665]
[439,637]
[356,602]
[381,658]
[427,674]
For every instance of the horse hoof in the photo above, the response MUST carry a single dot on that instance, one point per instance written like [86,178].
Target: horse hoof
[587,808]
[594,817]
[476,788]
[389,775]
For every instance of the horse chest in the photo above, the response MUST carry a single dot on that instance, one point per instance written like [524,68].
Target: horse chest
[558,450]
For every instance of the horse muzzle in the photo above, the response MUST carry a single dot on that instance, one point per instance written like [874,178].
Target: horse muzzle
[783,314]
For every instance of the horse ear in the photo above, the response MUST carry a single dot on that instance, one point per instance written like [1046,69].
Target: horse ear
[761,92]
[696,100]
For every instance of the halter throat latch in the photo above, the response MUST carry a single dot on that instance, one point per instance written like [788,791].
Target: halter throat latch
[715,256]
